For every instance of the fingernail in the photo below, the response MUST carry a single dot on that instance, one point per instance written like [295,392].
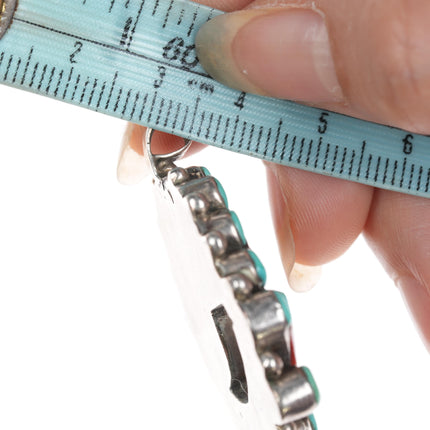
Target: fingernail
[303,278]
[417,298]
[281,221]
[132,165]
[282,53]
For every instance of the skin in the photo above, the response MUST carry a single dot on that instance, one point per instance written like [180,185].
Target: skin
[377,49]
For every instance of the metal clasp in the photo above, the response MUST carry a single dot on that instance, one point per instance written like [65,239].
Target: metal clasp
[162,163]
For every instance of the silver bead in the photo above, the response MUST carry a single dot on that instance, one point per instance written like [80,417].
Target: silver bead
[273,364]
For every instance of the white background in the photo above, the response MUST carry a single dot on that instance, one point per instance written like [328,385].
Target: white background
[92,333]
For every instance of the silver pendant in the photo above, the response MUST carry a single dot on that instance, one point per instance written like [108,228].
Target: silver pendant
[243,329]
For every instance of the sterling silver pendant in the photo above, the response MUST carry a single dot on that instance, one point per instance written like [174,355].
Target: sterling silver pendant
[243,329]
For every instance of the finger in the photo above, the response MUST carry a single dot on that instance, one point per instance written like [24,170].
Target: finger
[325,215]
[398,230]
[363,58]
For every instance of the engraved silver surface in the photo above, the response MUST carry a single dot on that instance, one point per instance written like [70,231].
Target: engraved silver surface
[242,329]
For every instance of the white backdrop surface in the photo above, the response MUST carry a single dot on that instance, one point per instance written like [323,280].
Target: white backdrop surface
[92,333]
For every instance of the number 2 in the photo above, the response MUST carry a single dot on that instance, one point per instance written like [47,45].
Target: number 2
[78,46]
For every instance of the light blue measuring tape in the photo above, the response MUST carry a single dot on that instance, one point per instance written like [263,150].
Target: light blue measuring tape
[135,59]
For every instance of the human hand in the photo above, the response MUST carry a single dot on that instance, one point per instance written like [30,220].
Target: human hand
[362,58]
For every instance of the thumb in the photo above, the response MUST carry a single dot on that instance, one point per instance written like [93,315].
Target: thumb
[363,58]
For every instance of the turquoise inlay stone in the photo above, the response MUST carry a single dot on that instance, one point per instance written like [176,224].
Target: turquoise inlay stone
[284,303]
[311,380]
[238,226]
[313,422]
[222,192]
[261,271]
[206,171]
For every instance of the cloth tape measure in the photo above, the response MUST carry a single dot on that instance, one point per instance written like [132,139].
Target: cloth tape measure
[135,59]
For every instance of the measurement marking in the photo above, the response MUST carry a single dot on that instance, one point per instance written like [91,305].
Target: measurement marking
[36,66]
[317,158]
[394,172]
[111,90]
[160,110]
[84,90]
[42,77]
[361,159]
[169,109]
[145,99]
[233,138]
[99,101]
[211,12]
[411,176]
[51,77]
[266,148]
[209,126]
[151,110]
[260,134]
[185,119]
[284,147]
[133,30]
[27,64]
[403,173]
[217,127]
[18,65]
[308,156]
[342,164]
[242,135]
[302,144]
[196,107]
[127,99]
[92,92]
[68,82]
[420,174]
[225,130]
[166,17]
[8,67]
[251,135]
[201,123]
[428,180]
[193,22]
[118,100]
[377,169]
[111,5]
[176,115]
[352,162]
[369,161]
[336,150]
[133,110]
[78,78]
[292,149]
[1,58]
[327,150]
[125,51]
[181,17]
[157,2]
[59,82]
[278,133]
[384,179]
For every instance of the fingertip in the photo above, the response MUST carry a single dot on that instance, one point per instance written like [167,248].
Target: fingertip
[417,299]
